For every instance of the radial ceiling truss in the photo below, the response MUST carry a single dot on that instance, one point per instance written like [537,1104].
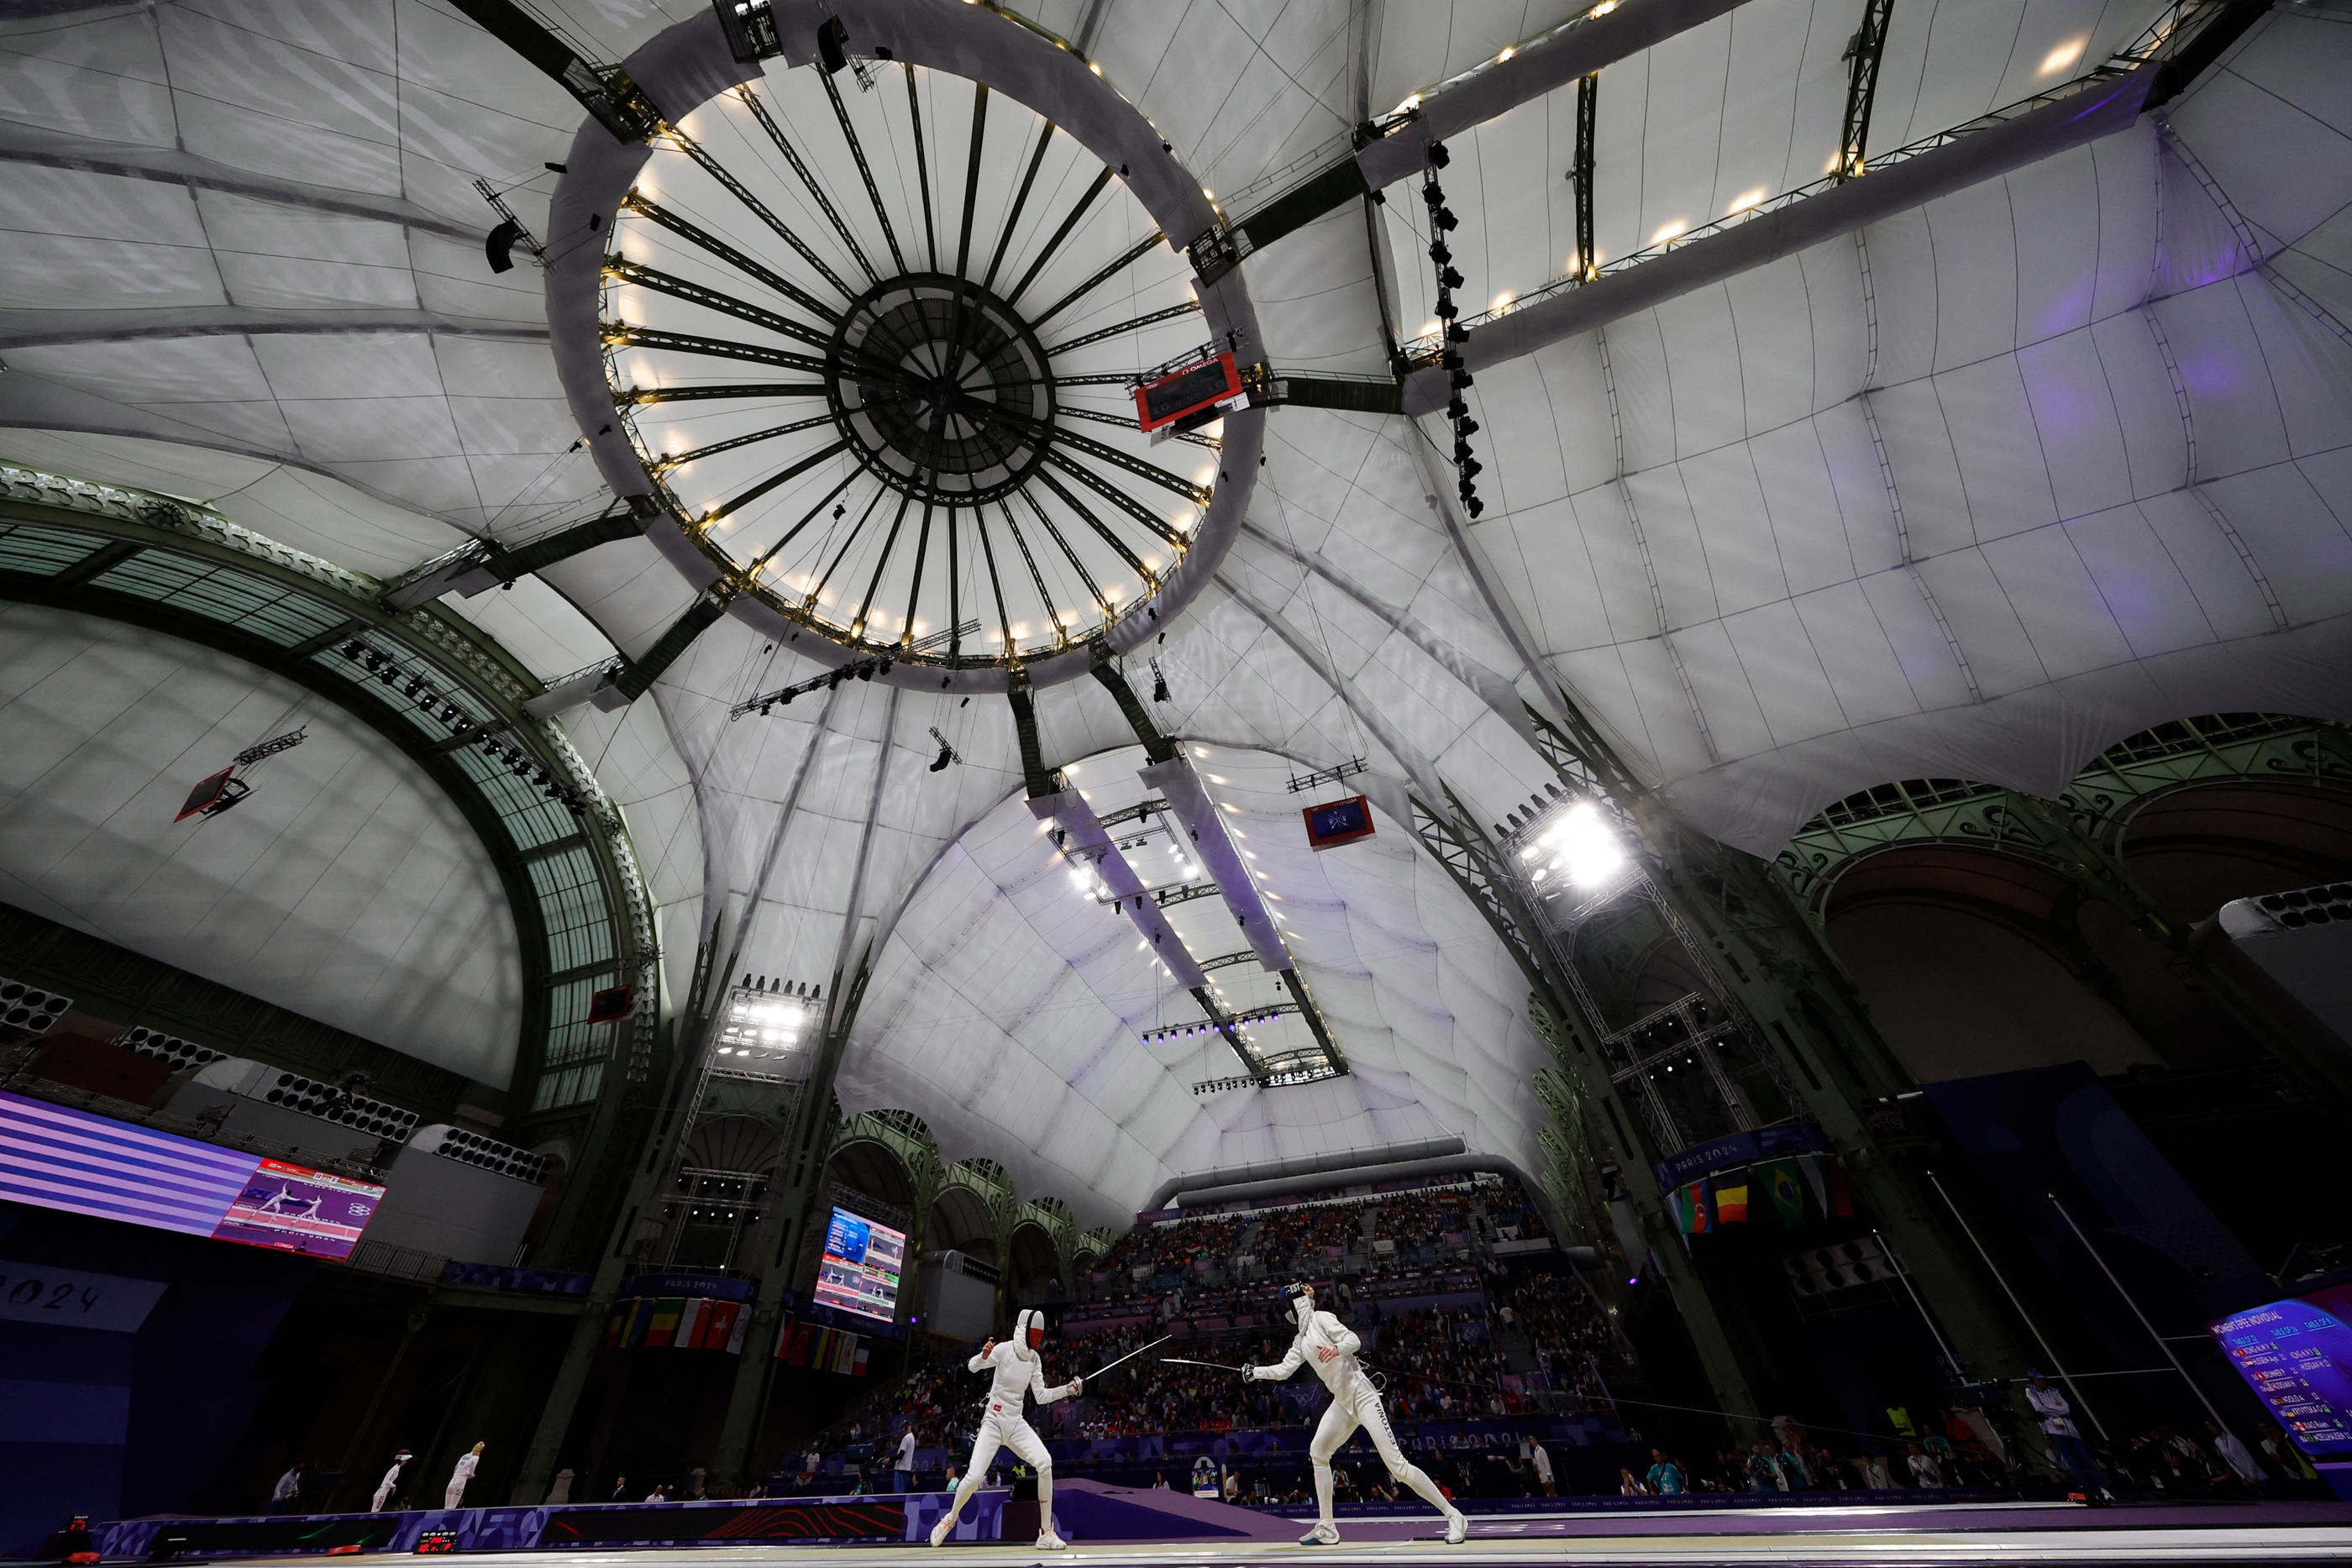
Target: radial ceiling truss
[907,461]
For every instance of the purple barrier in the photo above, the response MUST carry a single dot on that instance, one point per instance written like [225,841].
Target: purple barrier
[808,1520]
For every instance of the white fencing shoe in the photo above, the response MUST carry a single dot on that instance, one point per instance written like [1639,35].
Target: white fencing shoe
[1049,1542]
[1457,1528]
[939,1531]
[1324,1534]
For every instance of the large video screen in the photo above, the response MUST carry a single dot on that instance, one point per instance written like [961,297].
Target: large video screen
[859,1271]
[56,1157]
[2296,1356]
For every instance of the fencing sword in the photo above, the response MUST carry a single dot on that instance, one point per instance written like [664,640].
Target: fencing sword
[1181,1361]
[1131,1355]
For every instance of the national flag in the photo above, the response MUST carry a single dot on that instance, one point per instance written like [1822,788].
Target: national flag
[845,1352]
[857,1367]
[792,1343]
[639,1313]
[1731,1199]
[724,1332]
[1826,1178]
[1689,1208]
[1786,1189]
[662,1328]
[689,1324]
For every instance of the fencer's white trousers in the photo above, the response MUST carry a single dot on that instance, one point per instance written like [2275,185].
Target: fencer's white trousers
[455,1495]
[1360,1406]
[1005,1427]
[1001,1427]
[381,1492]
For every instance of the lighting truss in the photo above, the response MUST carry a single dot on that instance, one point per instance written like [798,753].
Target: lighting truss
[1226,1026]
[1316,1071]
[272,747]
[1302,782]
[768,1026]
[861,669]
[1568,852]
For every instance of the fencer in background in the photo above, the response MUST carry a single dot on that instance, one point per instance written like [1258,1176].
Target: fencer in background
[467,1464]
[391,1481]
[1020,1371]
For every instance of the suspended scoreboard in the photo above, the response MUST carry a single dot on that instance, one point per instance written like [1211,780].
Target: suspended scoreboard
[859,1271]
[1337,823]
[1188,398]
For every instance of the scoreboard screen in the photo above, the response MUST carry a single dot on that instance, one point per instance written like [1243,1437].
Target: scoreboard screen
[1170,397]
[1338,822]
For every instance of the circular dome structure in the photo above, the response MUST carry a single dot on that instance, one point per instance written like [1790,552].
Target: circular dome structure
[873,339]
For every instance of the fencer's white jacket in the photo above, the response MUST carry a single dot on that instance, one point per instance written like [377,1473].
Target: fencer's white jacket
[1329,1346]
[1019,1371]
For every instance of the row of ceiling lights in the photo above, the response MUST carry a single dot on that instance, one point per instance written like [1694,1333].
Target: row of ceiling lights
[388,672]
[1443,222]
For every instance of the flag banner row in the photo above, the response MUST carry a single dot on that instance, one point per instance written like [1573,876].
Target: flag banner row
[823,1349]
[1795,1190]
[676,1322]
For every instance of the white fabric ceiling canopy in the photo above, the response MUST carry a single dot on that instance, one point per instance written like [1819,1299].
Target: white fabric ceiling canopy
[1973,493]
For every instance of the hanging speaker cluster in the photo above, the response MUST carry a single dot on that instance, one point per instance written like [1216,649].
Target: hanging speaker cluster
[28,1009]
[485,1154]
[171,1048]
[1442,222]
[340,1106]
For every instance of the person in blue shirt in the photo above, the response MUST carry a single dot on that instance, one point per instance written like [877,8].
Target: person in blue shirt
[1792,1468]
[1666,1478]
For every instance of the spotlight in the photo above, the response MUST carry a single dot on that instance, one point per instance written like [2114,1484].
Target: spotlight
[1438,156]
[354,649]
[1447,309]
[832,45]
[1456,409]
[499,247]
[1456,332]
[1475,506]
[1440,253]
[1466,427]
[1445,220]
[1448,277]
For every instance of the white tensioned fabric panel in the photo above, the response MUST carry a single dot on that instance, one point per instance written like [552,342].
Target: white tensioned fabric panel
[1711,122]
[1007,1007]
[346,887]
[1717,564]
[293,506]
[394,101]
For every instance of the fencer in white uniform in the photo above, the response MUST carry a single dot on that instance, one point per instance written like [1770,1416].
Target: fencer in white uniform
[391,1480]
[1020,1371]
[1329,1345]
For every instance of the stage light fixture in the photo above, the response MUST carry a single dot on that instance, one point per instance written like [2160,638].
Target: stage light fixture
[499,248]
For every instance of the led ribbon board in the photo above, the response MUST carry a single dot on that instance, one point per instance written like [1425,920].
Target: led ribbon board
[54,1157]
